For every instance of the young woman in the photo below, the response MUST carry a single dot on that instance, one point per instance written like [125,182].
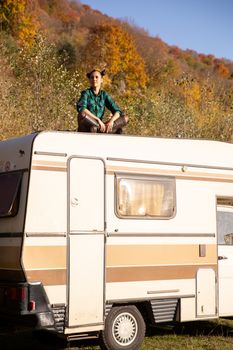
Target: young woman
[91,108]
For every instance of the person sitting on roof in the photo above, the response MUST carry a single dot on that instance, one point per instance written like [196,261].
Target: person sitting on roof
[91,108]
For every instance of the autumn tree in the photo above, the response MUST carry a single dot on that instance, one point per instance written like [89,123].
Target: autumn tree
[111,47]
[221,68]
[17,18]
[61,11]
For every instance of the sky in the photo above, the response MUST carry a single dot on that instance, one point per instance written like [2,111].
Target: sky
[205,26]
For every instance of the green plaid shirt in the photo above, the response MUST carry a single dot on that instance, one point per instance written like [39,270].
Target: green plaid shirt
[96,103]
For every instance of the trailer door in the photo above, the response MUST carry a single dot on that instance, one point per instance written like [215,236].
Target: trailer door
[225,258]
[86,241]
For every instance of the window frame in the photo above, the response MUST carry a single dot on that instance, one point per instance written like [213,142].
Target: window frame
[224,205]
[16,196]
[141,177]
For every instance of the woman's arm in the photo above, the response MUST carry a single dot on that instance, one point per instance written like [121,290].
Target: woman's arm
[115,110]
[82,107]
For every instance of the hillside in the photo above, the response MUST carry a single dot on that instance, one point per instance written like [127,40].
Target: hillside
[46,47]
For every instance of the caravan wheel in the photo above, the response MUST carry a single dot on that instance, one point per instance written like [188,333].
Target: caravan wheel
[124,329]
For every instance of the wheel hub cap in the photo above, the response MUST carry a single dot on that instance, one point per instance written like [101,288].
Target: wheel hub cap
[125,329]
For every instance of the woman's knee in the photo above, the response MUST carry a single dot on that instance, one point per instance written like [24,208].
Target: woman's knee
[124,117]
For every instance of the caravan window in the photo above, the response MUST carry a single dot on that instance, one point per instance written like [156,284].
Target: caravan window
[225,220]
[9,193]
[145,197]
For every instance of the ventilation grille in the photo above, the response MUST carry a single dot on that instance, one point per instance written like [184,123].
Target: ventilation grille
[59,317]
[107,309]
[164,310]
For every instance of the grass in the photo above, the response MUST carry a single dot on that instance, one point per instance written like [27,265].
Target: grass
[192,336]
[212,335]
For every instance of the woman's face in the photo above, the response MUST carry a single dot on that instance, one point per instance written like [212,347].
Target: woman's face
[96,79]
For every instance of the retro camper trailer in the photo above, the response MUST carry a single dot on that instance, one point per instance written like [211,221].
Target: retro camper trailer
[105,233]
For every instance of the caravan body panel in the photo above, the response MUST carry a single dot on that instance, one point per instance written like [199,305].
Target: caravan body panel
[91,248]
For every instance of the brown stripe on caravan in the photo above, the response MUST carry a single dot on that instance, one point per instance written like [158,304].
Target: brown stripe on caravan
[123,255]
[47,277]
[188,175]
[10,257]
[152,273]
[110,169]
[215,178]
[47,168]
[49,257]
[49,165]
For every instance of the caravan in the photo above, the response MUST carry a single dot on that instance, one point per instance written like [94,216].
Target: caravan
[102,234]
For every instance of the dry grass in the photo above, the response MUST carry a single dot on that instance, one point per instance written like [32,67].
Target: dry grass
[213,335]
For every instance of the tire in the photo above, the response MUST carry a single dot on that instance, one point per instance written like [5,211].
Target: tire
[124,329]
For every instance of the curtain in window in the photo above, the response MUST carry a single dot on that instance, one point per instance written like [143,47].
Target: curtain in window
[145,197]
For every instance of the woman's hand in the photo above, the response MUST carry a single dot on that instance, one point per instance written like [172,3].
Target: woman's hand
[101,125]
[109,126]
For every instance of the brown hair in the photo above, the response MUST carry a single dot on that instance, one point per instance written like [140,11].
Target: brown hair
[102,72]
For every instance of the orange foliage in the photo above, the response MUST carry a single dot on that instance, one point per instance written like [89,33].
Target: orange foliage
[175,51]
[206,59]
[221,68]
[190,89]
[111,47]
[61,10]
[18,18]
[86,7]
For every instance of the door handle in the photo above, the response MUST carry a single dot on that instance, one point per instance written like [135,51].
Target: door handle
[222,257]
